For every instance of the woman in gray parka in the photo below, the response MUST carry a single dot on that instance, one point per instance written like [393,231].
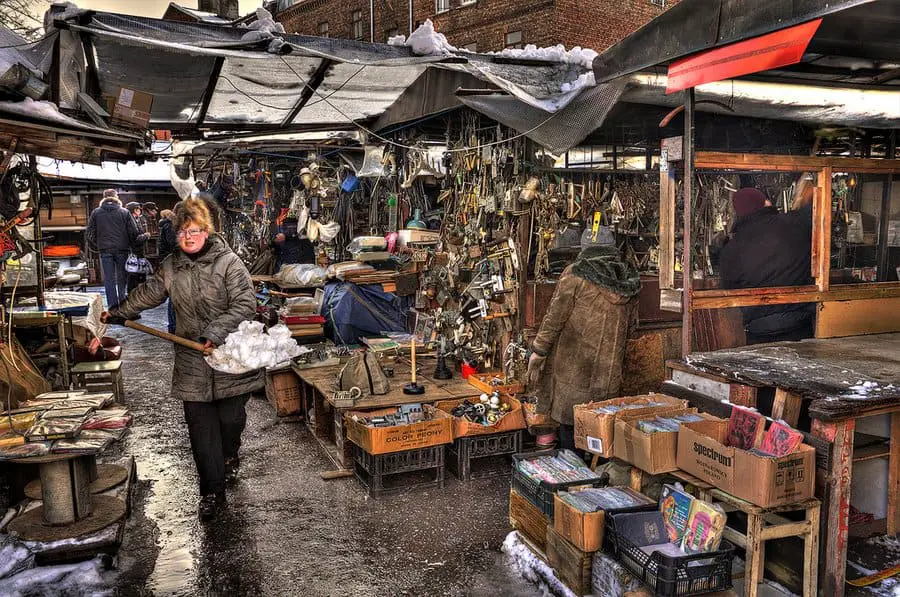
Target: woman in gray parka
[212,294]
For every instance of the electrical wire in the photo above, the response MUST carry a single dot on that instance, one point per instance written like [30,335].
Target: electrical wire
[400,145]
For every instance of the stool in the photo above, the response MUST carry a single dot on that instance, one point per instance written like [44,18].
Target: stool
[100,376]
[764,524]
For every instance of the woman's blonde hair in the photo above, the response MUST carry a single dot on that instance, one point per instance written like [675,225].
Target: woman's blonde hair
[167,214]
[193,210]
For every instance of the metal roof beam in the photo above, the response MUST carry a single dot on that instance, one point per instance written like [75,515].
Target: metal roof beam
[311,86]
[210,89]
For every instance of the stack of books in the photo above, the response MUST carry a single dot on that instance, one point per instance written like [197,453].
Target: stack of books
[304,326]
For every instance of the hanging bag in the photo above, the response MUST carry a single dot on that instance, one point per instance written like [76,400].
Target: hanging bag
[138,265]
[363,371]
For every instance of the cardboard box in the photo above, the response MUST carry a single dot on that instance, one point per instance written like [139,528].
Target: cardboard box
[399,438]
[595,432]
[283,392]
[462,427]
[584,530]
[131,108]
[759,480]
[653,453]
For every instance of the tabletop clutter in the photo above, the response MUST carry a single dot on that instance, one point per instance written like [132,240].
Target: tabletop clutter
[70,422]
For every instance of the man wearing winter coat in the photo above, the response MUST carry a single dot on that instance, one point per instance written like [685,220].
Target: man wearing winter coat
[769,249]
[583,336]
[112,229]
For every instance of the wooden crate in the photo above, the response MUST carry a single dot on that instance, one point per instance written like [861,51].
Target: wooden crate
[399,438]
[511,421]
[572,566]
[283,392]
[527,518]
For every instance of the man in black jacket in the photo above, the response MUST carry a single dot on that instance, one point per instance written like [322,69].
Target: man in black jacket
[112,229]
[769,249]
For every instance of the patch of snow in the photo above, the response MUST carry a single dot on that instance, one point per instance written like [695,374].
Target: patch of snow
[532,568]
[425,41]
[41,110]
[585,80]
[397,40]
[70,579]
[127,172]
[265,28]
[579,56]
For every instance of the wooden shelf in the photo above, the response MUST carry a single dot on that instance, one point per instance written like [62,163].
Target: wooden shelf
[870,447]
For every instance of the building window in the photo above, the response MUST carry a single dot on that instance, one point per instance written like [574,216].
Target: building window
[514,40]
[467,2]
[357,26]
[323,29]
[472,47]
[441,5]
[660,3]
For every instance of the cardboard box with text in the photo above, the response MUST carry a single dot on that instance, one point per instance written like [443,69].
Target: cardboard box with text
[760,480]
[595,432]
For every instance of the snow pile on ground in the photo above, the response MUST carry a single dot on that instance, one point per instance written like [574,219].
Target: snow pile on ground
[252,348]
[424,41]
[84,578]
[532,568]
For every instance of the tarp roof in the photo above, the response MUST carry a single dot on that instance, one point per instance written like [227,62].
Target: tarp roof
[207,77]
[857,42]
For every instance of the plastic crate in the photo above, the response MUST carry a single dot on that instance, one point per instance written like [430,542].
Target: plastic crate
[669,576]
[475,457]
[382,474]
[540,493]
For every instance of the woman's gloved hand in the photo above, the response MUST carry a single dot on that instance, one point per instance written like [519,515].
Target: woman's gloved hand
[535,368]
[112,317]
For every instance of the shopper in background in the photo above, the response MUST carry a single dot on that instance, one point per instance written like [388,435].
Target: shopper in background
[150,215]
[113,231]
[137,248]
[168,242]
[769,249]
[212,294]
[583,336]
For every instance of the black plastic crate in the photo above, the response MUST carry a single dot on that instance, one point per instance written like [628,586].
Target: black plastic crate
[540,493]
[483,455]
[669,576]
[383,474]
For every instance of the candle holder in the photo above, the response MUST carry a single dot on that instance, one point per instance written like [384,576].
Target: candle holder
[413,388]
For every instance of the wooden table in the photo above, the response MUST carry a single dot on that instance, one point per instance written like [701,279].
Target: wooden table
[824,377]
[317,387]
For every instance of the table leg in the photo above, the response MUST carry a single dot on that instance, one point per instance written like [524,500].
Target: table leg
[893,519]
[787,407]
[835,523]
[755,555]
[63,351]
[811,553]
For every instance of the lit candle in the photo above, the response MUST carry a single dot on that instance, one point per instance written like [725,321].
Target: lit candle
[414,360]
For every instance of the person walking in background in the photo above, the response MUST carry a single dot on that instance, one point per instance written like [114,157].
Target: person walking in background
[151,216]
[137,248]
[112,230]
[168,243]
[211,291]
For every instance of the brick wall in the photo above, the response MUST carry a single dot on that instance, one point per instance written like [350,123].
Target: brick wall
[595,23]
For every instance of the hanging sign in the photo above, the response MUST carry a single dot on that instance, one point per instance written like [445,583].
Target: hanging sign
[773,50]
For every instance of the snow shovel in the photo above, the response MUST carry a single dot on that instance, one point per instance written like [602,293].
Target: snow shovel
[167,336]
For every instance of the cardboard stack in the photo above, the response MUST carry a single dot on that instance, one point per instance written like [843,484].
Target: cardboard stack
[595,431]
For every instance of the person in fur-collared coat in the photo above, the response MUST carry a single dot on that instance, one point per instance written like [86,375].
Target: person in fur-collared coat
[578,354]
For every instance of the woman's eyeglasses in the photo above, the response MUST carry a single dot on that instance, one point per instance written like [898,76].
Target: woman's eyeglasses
[190,232]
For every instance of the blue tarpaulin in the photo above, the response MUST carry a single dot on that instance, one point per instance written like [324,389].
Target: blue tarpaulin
[355,311]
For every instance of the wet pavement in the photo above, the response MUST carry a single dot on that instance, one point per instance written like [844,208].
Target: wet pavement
[286,531]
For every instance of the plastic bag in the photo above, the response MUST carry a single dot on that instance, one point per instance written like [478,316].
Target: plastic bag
[301,274]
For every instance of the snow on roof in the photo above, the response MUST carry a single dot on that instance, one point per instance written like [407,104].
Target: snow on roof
[201,15]
[157,171]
